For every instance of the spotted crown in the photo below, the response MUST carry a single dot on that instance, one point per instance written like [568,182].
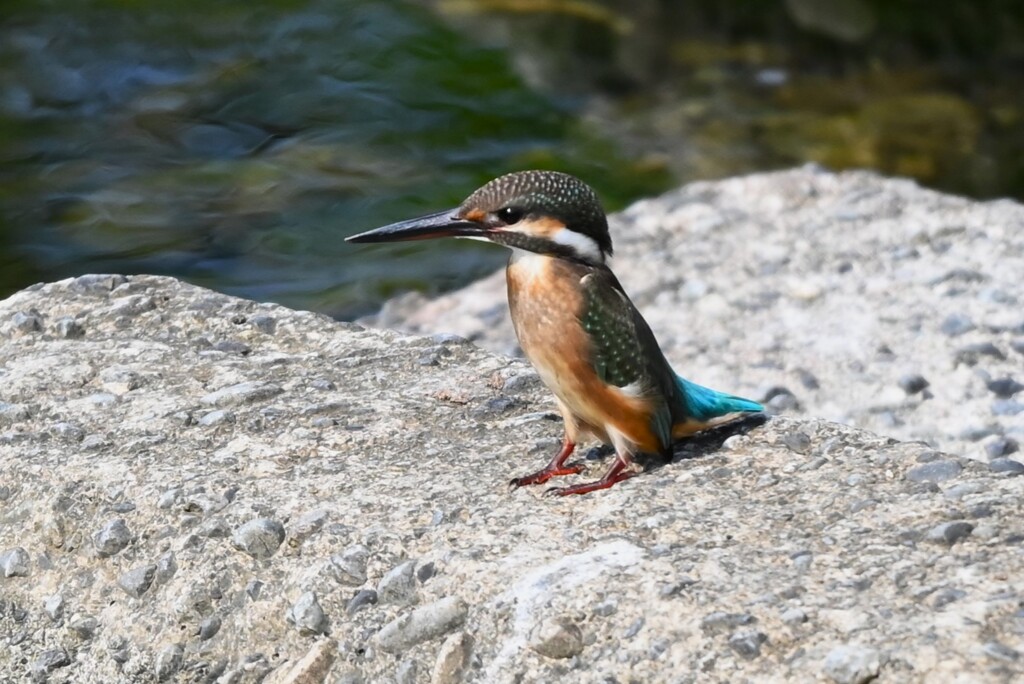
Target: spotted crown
[548,194]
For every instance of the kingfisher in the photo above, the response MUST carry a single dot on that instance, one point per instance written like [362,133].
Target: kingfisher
[575,323]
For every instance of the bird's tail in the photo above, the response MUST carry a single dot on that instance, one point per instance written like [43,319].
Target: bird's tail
[702,404]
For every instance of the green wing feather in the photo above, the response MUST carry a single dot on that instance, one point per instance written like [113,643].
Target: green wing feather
[615,349]
[623,348]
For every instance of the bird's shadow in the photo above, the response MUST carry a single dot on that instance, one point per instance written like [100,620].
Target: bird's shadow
[695,446]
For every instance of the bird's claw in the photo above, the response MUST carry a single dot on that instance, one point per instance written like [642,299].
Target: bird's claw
[586,487]
[542,476]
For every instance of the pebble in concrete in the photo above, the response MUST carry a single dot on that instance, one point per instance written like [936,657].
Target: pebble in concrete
[54,607]
[48,661]
[168,661]
[68,328]
[27,322]
[794,616]
[935,471]
[137,581]
[913,383]
[852,664]
[242,393]
[315,666]
[998,651]
[84,626]
[747,643]
[1004,388]
[557,637]
[407,672]
[13,413]
[1006,465]
[349,566]
[307,615]
[260,538]
[209,627]
[797,441]
[166,566]
[362,599]
[15,562]
[452,659]
[112,537]
[720,622]
[950,533]
[398,585]
[425,623]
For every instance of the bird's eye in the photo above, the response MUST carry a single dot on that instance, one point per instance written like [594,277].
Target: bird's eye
[510,215]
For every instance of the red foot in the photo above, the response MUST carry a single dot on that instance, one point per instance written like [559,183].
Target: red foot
[555,468]
[545,474]
[617,473]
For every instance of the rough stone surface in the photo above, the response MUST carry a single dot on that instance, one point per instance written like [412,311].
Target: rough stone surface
[816,541]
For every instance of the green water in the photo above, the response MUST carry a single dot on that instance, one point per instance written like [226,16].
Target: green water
[236,144]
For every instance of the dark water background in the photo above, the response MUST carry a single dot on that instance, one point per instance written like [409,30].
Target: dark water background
[235,144]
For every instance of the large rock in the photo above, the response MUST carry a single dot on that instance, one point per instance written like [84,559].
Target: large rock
[875,302]
[758,559]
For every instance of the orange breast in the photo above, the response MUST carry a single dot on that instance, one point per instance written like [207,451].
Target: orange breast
[545,300]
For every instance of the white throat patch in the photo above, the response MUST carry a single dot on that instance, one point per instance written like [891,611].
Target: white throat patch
[583,245]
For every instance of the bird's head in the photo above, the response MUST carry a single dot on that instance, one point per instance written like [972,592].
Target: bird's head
[537,211]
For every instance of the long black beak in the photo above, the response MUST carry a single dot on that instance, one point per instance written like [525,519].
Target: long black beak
[442,224]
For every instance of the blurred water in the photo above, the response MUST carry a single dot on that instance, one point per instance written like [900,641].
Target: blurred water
[236,144]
